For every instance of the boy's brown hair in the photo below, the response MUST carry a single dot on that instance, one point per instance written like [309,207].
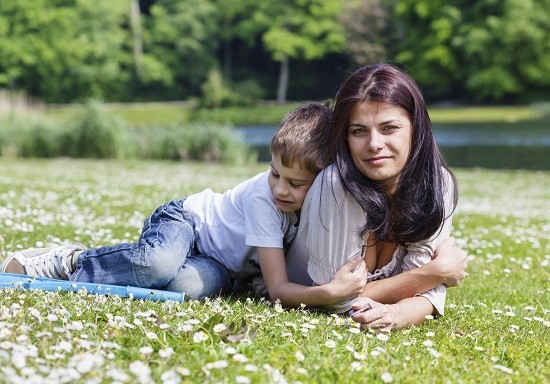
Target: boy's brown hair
[303,136]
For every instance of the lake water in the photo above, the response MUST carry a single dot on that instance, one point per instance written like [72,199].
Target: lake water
[523,145]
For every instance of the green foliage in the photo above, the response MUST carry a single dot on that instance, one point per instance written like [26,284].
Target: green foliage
[486,49]
[61,51]
[495,328]
[179,44]
[39,141]
[192,141]
[216,93]
[31,136]
[210,143]
[302,29]
[92,133]
[70,51]
[298,30]
[518,62]
[370,33]
[249,115]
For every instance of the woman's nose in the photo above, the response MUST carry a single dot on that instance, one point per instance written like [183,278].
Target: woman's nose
[376,141]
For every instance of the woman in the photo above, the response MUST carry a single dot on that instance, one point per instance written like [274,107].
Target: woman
[388,197]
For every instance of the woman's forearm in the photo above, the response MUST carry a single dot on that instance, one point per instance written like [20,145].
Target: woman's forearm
[386,317]
[447,268]
[411,311]
[404,285]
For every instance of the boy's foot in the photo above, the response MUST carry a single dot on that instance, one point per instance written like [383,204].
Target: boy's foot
[54,262]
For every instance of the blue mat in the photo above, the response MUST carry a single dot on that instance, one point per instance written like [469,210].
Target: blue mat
[11,280]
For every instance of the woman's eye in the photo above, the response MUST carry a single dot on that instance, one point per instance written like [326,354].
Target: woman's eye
[358,132]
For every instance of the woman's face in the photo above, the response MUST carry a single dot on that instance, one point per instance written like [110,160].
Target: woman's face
[379,138]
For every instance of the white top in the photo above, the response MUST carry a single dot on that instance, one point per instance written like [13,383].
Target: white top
[329,236]
[229,226]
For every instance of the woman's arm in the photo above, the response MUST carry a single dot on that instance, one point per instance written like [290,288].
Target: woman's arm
[386,317]
[346,284]
[447,268]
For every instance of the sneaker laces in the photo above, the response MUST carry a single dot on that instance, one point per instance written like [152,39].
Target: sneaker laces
[56,263]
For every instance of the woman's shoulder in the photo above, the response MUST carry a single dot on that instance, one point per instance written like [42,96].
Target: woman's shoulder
[329,176]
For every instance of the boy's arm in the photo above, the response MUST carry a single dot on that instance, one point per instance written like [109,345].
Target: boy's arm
[347,283]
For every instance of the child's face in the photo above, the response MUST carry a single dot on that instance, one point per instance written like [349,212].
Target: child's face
[289,185]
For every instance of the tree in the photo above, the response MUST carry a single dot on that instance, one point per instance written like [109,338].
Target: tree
[490,50]
[179,45]
[62,51]
[135,18]
[370,32]
[504,49]
[296,29]
[425,46]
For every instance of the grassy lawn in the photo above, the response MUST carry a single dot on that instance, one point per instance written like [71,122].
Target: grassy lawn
[158,113]
[496,328]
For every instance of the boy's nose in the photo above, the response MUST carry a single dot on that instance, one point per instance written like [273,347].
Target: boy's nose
[280,189]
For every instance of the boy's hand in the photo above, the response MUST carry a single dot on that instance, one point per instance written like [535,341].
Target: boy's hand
[450,262]
[349,280]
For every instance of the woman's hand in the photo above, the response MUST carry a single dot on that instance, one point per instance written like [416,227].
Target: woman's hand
[349,280]
[449,262]
[374,315]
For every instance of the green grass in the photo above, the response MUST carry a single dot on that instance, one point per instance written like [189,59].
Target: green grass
[495,329]
[142,114]
[159,113]
[506,114]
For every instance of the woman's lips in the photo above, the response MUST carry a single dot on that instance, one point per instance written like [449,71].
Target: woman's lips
[379,160]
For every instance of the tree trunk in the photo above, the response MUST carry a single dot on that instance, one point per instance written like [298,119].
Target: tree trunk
[228,60]
[135,17]
[283,82]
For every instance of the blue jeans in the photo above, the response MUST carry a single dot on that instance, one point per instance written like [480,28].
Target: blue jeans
[165,257]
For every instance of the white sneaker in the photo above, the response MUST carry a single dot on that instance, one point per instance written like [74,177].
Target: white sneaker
[52,262]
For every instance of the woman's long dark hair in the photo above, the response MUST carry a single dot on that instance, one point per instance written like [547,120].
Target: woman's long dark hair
[416,210]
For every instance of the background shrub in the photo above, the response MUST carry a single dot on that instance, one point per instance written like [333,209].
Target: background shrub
[29,137]
[189,141]
[92,133]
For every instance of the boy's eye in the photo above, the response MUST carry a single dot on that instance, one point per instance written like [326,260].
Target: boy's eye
[301,185]
[275,175]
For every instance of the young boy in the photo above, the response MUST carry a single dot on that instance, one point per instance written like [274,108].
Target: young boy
[200,244]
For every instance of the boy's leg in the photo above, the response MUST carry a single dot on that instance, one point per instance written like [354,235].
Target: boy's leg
[167,239]
[201,276]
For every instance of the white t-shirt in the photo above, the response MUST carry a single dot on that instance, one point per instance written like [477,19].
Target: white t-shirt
[229,226]
[329,236]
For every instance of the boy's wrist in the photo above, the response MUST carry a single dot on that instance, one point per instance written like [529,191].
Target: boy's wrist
[330,293]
